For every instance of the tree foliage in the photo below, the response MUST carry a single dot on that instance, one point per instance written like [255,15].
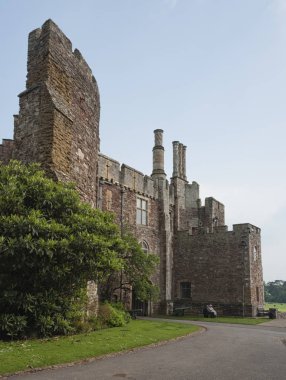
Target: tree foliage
[51,244]
[275,291]
[136,274]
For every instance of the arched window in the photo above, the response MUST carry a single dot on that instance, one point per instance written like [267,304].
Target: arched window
[145,246]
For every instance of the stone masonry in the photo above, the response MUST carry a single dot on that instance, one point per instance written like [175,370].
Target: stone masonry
[201,262]
[58,122]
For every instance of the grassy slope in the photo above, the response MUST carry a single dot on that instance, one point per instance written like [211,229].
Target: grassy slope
[22,355]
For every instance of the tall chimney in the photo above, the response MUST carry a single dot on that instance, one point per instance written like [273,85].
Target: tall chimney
[176,159]
[184,162]
[158,155]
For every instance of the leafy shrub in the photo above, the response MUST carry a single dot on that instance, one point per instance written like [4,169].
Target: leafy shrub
[53,325]
[51,244]
[112,316]
[12,326]
[119,306]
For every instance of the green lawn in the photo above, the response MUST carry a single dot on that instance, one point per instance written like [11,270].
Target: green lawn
[28,354]
[279,306]
[232,320]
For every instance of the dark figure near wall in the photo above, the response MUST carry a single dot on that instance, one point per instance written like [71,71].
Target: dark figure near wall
[209,311]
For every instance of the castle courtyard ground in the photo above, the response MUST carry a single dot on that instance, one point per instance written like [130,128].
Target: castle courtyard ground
[221,352]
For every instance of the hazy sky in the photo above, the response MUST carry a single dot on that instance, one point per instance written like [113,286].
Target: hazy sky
[210,73]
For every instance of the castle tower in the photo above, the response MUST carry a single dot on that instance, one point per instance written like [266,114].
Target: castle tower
[158,156]
[58,122]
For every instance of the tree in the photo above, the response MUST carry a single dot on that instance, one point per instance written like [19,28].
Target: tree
[275,291]
[51,244]
[136,274]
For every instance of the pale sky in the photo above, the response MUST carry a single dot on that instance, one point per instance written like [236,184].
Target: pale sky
[210,73]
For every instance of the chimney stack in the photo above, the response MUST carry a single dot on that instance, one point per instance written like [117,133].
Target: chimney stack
[158,155]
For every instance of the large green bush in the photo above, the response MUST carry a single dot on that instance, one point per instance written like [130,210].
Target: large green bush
[112,315]
[51,244]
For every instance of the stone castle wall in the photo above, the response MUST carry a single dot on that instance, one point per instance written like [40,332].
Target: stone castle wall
[119,188]
[58,122]
[219,266]
[111,170]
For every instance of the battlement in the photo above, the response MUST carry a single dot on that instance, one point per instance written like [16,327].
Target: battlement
[110,170]
[246,228]
[242,229]
[46,43]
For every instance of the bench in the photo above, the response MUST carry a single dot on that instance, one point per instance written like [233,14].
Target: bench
[180,311]
[135,312]
[262,313]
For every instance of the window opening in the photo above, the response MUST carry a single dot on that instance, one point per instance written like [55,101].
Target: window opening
[185,289]
[141,211]
[145,246]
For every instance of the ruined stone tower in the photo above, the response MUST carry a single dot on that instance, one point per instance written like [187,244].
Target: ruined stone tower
[58,122]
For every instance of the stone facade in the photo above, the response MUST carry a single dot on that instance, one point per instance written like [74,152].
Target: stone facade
[224,269]
[201,262]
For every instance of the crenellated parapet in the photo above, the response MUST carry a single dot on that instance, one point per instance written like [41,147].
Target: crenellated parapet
[110,170]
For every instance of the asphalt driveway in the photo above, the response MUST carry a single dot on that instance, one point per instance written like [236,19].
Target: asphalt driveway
[222,352]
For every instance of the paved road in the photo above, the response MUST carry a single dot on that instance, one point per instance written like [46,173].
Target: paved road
[222,352]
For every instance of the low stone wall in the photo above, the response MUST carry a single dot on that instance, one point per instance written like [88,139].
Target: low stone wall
[221,309]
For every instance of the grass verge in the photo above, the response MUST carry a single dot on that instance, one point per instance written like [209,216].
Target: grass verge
[231,320]
[29,354]
[280,306]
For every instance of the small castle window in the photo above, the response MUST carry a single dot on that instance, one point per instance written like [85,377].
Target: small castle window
[141,211]
[185,289]
[145,247]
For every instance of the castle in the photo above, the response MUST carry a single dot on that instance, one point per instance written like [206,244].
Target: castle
[201,262]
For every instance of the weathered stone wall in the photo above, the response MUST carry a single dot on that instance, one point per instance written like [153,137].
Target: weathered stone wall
[119,188]
[111,170]
[256,272]
[218,266]
[6,150]
[212,214]
[58,122]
